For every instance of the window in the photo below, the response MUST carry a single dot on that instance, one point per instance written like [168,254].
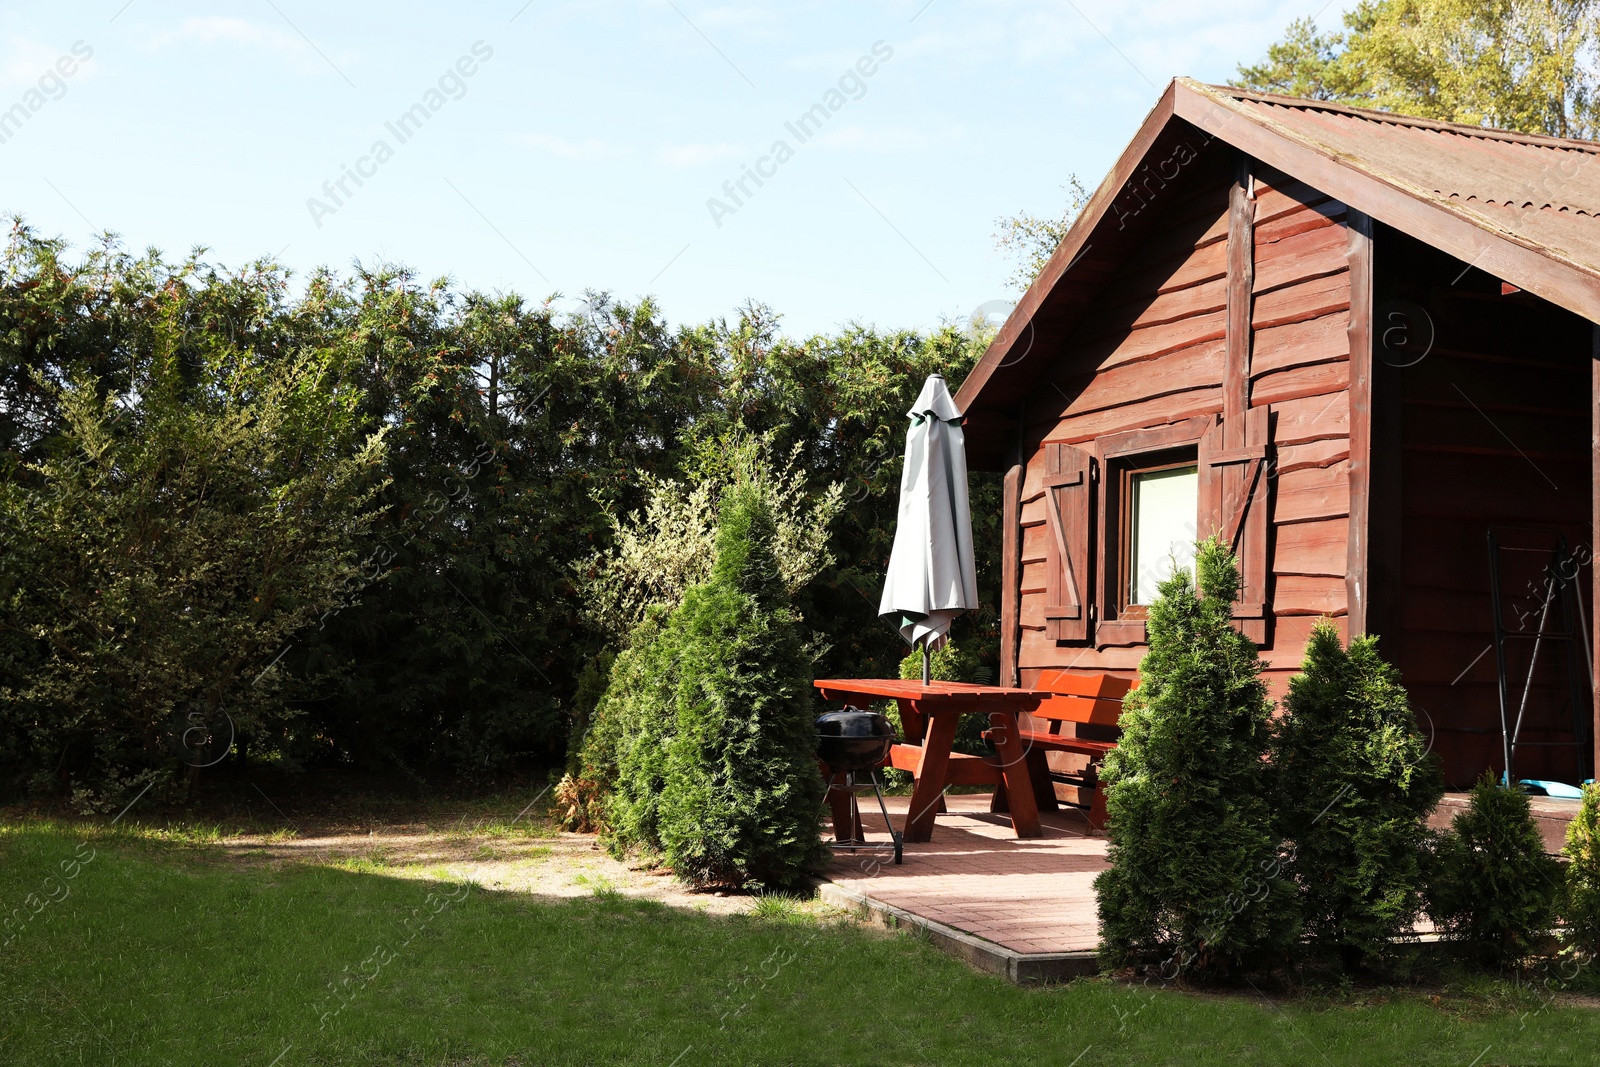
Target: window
[1163,505]
[1152,515]
[1121,510]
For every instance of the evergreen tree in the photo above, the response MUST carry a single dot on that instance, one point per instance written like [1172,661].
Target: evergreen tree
[1194,874]
[1495,887]
[1354,783]
[1582,907]
[706,734]
[742,800]
[624,749]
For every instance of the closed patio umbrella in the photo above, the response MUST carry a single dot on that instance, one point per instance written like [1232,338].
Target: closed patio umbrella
[931,575]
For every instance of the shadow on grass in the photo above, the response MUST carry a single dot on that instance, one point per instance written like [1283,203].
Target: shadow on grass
[150,953]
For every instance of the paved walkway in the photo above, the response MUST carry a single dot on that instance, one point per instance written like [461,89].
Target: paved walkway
[1030,896]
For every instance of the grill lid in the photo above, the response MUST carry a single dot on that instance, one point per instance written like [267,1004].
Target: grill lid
[855,722]
[854,739]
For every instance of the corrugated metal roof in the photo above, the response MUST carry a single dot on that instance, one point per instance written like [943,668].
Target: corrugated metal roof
[1543,190]
[1520,207]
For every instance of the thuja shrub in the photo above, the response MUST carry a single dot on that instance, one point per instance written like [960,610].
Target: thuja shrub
[624,749]
[1582,905]
[707,730]
[1354,783]
[1494,887]
[742,799]
[1195,878]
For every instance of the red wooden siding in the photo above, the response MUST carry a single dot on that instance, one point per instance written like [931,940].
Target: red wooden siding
[1495,429]
[1155,356]
[1234,292]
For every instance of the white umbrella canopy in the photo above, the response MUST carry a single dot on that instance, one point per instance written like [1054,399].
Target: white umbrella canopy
[932,578]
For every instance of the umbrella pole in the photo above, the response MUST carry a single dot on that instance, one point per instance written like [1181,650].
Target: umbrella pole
[926,663]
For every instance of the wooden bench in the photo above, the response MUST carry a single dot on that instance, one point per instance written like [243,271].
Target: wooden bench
[1086,698]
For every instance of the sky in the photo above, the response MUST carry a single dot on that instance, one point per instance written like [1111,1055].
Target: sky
[554,148]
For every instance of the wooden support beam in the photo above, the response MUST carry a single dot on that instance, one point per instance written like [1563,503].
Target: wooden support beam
[1010,574]
[1357,586]
[1241,283]
[1385,471]
[1594,505]
[1236,483]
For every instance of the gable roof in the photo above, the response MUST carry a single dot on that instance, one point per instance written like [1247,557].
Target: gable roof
[1523,208]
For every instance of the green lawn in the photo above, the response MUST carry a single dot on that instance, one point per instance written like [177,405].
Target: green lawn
[158,950]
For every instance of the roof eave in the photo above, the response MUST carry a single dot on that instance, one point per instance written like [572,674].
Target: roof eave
[1467,235]
[1016,327]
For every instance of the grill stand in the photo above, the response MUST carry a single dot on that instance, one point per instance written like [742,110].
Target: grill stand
[853,787]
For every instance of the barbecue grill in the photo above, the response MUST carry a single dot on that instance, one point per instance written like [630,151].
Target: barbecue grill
[851,741]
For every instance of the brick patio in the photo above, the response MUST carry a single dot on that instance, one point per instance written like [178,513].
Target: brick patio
[1018,907]
[1029,896]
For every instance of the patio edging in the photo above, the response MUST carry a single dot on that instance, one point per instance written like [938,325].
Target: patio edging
[1023,968]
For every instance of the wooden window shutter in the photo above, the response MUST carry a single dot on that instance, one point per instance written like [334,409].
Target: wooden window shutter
[1235,486]
[1069,594]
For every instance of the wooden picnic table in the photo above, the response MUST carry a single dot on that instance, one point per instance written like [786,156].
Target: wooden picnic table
[931,712]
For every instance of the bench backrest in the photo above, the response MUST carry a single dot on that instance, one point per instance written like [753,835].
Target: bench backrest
[1082,696]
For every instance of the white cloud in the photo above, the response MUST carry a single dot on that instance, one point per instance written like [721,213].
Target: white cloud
[859,139]
[589,150]
[736,17]
[23,61]
[217,30]
[1139,40]
[829,64]
[695,155]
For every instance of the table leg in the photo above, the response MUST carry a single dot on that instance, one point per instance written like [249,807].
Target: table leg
[1044,793]
[999,804]
[929,788]
[913,723]
[1014,769]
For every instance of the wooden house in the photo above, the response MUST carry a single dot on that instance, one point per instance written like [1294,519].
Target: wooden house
[1352,343]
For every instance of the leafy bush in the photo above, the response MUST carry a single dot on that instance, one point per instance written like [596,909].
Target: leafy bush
[454,637]
[1354,784]
[1582,905]
[1193,853]
[669,544]
[578,804]
[174,538]
[950,662]
[1494,886]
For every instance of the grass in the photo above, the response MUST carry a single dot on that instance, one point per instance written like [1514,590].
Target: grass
[157,951]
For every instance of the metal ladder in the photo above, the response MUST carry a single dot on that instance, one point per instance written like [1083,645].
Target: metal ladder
[1559,584]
